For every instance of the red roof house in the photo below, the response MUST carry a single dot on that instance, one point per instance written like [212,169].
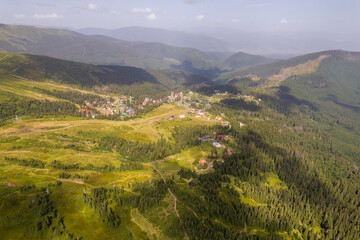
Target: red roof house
[203,162]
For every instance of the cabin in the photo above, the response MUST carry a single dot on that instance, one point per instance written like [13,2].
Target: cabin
[205,138]
[182,116]
[217,144]
[202,162]
[222,137]
[228,152]
[197,115]
[218,118]
[223,124]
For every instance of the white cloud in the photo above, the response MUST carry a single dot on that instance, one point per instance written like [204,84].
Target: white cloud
[284,21]
[19,15]
[152,16]
[235,20]
[115,13]
[92,7]
[200,17]
[141,10]
[47,16]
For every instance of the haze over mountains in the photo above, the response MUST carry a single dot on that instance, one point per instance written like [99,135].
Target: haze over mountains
[98,49]
[276,44]
[169,37]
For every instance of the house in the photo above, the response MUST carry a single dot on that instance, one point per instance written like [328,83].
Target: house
[205,138]
[202,162]
[222,137]
[217,144]
[197,115]
[182,116]
[228,152]
[223,124]
[218,118]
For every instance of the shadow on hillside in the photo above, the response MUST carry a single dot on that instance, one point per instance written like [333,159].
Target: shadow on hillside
[283,101]
[334,99]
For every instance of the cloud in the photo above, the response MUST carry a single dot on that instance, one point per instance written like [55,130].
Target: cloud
[47,16]
[115,13]
[148,11]
[92,7]
[19,15]
[200,17]
[152,16]
[284,21]
[141,10]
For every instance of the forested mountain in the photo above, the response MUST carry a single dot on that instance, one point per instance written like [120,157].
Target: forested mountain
[267,70]
[73,46]
[242,60]
[124,79]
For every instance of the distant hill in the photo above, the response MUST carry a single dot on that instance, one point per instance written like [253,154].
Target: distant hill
[329,80]
[74,46]
[121,79]
[242,60]
[169,37]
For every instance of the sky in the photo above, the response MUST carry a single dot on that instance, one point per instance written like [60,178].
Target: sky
[336,16]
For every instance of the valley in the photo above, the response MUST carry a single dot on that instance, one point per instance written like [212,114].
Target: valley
[256,149]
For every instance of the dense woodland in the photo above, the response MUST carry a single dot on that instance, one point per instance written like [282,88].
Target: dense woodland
[35,108]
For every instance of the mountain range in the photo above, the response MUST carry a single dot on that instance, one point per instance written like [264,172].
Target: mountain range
[99,49]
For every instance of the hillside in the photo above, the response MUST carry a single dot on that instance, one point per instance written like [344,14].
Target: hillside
[327,82]
[169,37]
[73,46]
[279,160]
[126,80]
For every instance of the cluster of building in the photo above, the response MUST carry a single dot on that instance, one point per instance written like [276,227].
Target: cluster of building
[150,102]
[87,113]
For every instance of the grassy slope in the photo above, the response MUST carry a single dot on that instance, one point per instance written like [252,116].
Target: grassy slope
[46,141]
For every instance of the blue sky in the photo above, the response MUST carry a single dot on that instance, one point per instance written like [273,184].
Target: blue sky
[338,16]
